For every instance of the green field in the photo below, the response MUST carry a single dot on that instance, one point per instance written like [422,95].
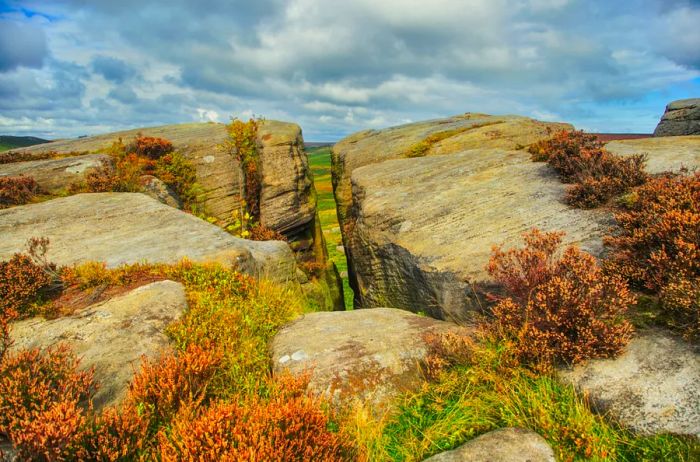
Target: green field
[320,163]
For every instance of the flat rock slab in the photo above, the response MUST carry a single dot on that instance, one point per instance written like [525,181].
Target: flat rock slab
[123,228]
[111,336]
[56,175]
[425,227]
[504,445]
[366,354]
[681,117]
[653,387]
[669,153]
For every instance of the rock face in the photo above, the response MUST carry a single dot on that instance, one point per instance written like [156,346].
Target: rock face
[54,176]
[504,445]
[664,153]
[120,228]
[366,354]
[418,231]
[681,117]
[653,387]
[157,189]
[111,336]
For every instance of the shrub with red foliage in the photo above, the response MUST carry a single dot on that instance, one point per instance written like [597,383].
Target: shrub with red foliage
[22,282]
[596,174]
[560,308]
[657,245]
[151,147]
[35,383]
[263,233]
[290,425]
[17,190]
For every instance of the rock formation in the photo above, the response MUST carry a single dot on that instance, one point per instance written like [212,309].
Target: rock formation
[418,231]
[119,228]
[681,117]
[364,354]
[54,176]
[664,153]
[504,445]
[111,336]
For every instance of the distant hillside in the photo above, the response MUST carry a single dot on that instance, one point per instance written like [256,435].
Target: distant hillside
[317,144]
[12,142]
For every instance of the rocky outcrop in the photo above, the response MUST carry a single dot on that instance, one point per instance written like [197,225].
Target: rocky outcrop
[418,231]
[54,176]
[112,336]
[681,117]
[504,445]
[119,228]
[366,354]
[288,199]
[669,153]
[157,189]
[653,387]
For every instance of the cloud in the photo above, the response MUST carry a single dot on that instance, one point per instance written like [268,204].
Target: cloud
[343,66]
[21,45]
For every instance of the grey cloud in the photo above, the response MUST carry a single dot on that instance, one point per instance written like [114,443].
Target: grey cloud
[112,69]
[21,45]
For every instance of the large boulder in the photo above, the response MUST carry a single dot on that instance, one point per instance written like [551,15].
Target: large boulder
[504,445]
[120,228]
[55,176]
[664,153]
[362,354]
[681,117]
[653,387]
[111,336]
[418,231]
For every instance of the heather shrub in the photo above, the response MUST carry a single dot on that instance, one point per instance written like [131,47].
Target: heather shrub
[39,383]
[150,147]
[680,298]
[288,425]
[566,309]
[17,190]
[22,282]
[595,174]
[259,232]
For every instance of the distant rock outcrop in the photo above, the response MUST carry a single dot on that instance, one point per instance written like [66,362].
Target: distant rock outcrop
[418,231]
[54,176]
[367,354]
[504,445]
[111,336]
[119,228]
[681,117]
[653,387]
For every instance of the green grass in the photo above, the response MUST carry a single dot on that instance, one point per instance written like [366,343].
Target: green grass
[493,392]
[320,163]
[12,142]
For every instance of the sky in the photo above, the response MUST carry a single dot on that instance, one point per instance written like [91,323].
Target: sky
[82,67]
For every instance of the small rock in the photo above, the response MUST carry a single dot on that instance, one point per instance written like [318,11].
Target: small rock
[504,445]
[653,387]
[157,189]
[111,336]
[368,354]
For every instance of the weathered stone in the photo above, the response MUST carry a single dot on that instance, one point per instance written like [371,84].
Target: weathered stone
[471,131]
[681,117]
[653,387]
[424,228]
[111,336]
[157,189]
[119,228]
[54,176]
[504,445]
[366,354]
[664,154]
[418,231]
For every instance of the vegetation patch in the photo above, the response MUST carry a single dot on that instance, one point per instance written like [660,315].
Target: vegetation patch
[17,190]
[595,174]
